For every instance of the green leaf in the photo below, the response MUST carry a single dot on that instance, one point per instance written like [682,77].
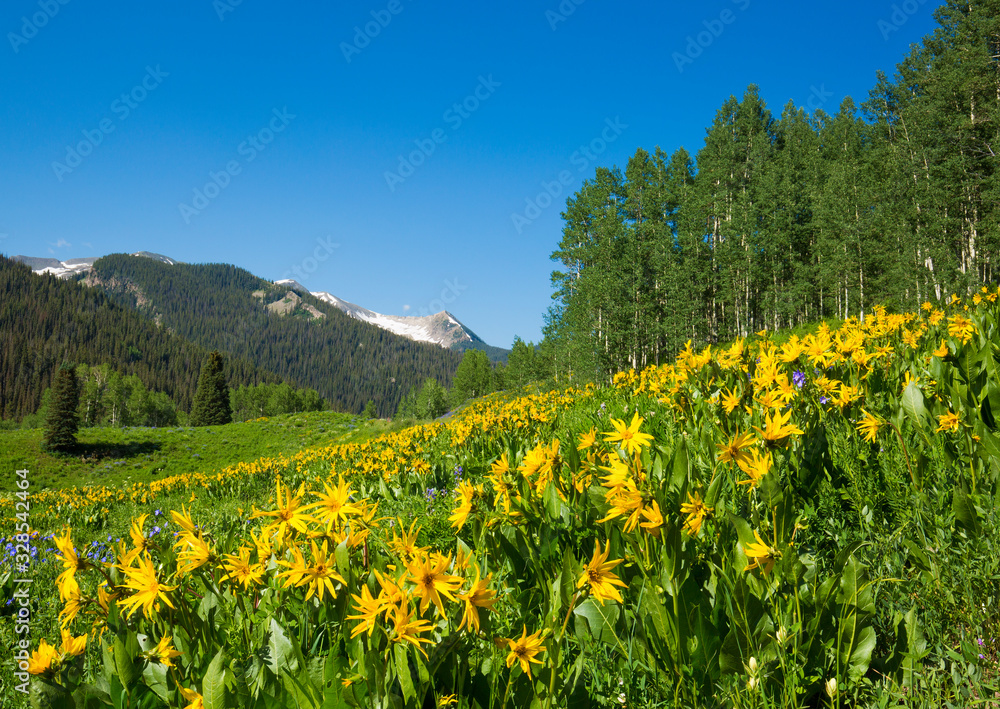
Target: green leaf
[845,554]
[680,465]
[601,619]
[965,512]
[743,530]
[343,556]
[653,607]
[127,664]
[712,496]
[155,676]
[213,685]
[282,656]
[402,662]
[91,697]
[117,692]
[49,696]
[553,505]
[913,404]
[917,555]
[861,657]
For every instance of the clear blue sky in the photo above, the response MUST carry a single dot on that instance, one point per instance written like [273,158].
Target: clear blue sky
[308,131]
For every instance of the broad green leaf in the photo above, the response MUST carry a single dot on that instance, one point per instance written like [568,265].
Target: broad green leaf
[861,656]
[402,663]
[49,696]
[601,619]
[965,512]
[680,465]
[712,496]
[91,697]
[913,404]
[155,675]
[844,554]
[117,692]
[743,530]
[127,664]
[553,505]
[343,556]
[213,685]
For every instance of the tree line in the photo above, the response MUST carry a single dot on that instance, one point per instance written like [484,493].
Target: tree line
[782,220]
[476,376]
[107,398]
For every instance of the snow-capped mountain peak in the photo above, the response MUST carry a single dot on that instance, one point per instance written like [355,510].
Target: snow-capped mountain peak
[442,328]
[73,266]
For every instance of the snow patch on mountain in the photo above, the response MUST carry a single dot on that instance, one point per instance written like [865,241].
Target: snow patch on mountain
[73,266]
[441,329]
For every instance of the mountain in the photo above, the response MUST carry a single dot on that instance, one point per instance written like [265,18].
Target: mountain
[47,321]
[296,335]
[440,329]
[75,266]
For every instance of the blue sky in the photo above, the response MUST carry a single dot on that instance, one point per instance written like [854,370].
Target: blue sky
[380,150]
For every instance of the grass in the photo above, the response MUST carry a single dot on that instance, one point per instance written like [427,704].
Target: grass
[113,456]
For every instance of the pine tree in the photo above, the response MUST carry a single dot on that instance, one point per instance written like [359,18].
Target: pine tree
[211,401]
[369,413]
[62,422]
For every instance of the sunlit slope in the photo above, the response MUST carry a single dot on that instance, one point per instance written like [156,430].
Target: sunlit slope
[786,519]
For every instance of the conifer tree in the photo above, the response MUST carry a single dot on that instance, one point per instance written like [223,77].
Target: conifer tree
[62,423]
[211,401]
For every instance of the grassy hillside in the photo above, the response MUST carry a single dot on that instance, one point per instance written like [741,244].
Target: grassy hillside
[116,456]
[809,523]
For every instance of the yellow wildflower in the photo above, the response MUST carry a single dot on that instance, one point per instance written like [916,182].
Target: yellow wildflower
[629,437]
[761,555]
[695,512]
[524,649]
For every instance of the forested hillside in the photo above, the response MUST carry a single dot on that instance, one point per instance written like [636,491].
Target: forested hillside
[781,220]
[347,361]
[45,321]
